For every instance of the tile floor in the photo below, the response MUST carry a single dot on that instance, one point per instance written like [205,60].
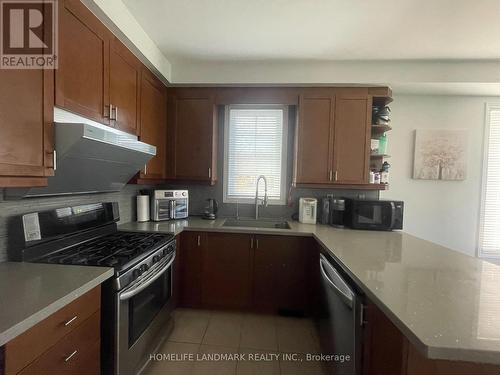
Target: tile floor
[200,332]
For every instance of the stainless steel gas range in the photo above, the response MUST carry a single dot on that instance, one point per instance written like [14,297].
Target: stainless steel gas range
[137,302]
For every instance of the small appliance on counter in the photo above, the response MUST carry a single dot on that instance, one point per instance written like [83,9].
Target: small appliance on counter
[211,210]
[337,213]
[326,207]
[169,204]
[307,210]
[374,214]
[143,208]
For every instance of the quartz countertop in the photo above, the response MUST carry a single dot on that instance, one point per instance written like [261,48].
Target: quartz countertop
[31,292]
[445,302]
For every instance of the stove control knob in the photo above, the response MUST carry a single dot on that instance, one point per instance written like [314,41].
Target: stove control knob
[136,273]
[156,258]
[144,267]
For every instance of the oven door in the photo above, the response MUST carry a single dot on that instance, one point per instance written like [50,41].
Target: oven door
[375,215]
[143,319]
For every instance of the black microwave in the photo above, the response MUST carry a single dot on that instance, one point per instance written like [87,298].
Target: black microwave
[373,214]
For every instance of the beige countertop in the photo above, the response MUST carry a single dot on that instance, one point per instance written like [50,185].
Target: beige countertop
[31,292]
[445,302]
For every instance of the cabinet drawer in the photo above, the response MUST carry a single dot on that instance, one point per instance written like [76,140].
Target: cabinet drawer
[76,353]
[31,344]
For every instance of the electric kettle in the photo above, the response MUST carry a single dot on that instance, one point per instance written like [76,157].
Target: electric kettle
[211,210]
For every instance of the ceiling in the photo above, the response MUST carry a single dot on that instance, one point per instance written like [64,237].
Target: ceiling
[288,30]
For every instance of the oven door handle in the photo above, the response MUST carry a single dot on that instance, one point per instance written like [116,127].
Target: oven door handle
[139,287]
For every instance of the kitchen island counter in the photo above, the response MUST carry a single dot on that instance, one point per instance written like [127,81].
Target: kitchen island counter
[446,303]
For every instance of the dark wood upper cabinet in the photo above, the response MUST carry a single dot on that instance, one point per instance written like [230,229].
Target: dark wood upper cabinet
[124,84]
[26,127]
[314,137]
[226,271]
[192,134]
[351,149]
[82,78]
[153,117]
[332,141]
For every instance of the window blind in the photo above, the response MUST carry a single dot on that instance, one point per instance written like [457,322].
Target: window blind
[255,144]
[489,231]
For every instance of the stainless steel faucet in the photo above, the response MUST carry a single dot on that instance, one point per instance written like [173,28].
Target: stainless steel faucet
[257,199]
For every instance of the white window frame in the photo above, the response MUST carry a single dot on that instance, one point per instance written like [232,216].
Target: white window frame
[284,155]
[484,177]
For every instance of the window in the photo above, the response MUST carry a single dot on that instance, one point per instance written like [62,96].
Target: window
[255,143]
[489,221]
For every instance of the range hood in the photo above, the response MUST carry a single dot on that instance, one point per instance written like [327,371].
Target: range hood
[90,158]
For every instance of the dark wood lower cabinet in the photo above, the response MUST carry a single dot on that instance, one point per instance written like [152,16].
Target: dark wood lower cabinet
[263,273]
[388,352]
[189,261]
[280,275]
[226,271]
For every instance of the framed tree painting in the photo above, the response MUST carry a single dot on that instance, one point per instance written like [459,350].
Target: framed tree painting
[440,154]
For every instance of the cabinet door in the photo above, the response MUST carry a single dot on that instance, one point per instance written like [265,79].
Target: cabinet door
[153,123]
[226,271]
[352,140]
[190,259]
[193,130]
[82,79]
[314,138]
[124,79]
[26,130]
[280,276]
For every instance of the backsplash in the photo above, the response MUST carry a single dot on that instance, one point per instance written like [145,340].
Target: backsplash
[9,208]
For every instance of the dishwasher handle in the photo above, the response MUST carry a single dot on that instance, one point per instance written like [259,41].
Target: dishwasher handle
[336,281]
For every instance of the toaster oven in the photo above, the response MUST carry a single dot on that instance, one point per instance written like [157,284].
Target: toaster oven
[169,204]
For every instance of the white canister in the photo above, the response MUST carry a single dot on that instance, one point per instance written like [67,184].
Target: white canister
[143,208]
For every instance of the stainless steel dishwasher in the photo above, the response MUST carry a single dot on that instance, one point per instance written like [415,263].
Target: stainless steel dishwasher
[340,321]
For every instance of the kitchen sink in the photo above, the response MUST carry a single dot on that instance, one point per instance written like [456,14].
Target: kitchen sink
[251,223]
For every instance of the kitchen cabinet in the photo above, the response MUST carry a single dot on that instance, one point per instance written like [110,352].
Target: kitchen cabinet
[280,274]
[124,84]
[26,133]
[314,137]
[192,134]
[67,342]
[265,273]
[352,133]
[388,352]
[153,117]
[190,260]
[82,78]
[226,271]
[333,138]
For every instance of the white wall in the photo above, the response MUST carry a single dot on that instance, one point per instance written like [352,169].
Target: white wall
[445,212]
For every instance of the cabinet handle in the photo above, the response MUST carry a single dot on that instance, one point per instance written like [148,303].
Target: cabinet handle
[251,242]
[199,240]
[362,320]
[256,243]
[116,114]
[70,321]
[335,175]
[209,172]
[111,111]
[70,356]
[330,175]
[145,169]
[54,161]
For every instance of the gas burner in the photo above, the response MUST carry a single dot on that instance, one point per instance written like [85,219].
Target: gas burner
[119,250]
